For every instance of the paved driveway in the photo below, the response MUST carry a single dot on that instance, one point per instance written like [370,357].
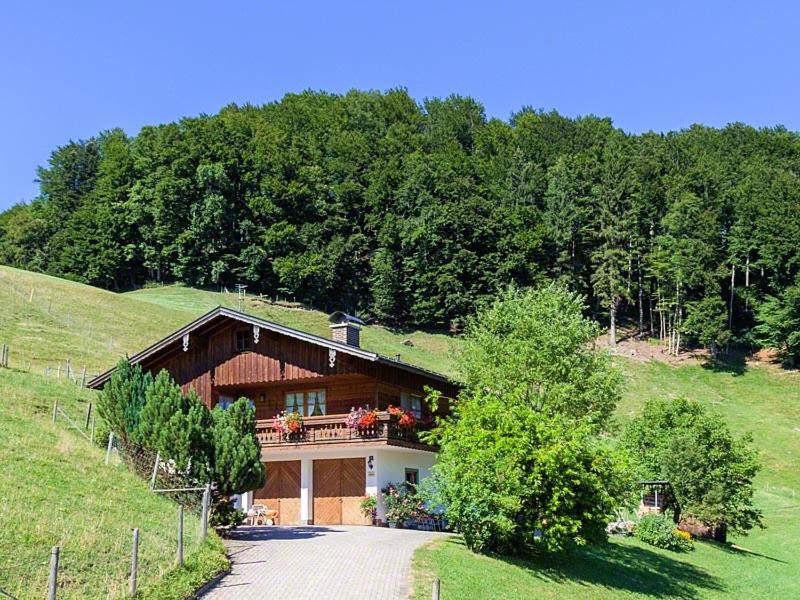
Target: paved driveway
[315,562]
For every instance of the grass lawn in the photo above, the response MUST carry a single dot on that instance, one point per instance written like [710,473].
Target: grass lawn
[57,491]
[762,400]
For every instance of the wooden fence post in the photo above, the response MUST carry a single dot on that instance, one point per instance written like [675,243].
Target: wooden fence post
[88,415]
[204,513]
[436,589]
[83,378]
[134,561]
[179,558]
[110,443]
[155,471]
[52,581]
[55,409]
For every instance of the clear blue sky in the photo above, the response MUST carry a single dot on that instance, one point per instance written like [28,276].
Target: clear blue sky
[71,69]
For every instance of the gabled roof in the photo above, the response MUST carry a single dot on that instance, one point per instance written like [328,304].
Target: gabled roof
[221,312]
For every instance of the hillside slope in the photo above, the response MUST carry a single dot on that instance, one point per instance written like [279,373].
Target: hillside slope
[47,321]
[752,398]
[56,490]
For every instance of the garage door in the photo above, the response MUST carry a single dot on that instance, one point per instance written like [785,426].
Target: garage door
[281,492]
[339,487]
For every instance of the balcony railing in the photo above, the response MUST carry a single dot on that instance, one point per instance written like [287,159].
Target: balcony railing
[332,429]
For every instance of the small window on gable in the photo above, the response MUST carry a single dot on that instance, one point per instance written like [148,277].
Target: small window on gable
[412,476]
[243,341]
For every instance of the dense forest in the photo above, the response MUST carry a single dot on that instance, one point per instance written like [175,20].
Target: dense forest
[411,213]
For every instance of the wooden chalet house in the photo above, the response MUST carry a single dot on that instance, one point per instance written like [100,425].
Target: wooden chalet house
[321,473]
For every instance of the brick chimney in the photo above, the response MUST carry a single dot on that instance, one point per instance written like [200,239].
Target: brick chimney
[345,328]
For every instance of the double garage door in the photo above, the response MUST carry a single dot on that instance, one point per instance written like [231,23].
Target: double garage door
[339,486]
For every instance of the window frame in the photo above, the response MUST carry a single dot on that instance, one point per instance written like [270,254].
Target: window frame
[305,409]
[412,471]
[407,403]
[248,347]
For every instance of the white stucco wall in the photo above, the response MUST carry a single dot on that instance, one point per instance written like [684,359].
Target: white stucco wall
[391,468]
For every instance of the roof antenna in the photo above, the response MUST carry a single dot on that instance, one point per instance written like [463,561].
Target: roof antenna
[241,291]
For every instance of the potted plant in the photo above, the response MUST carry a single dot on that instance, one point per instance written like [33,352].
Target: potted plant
[369,507]
[368,420]
[353,419]
[362,419]
[288,424]
[400,502]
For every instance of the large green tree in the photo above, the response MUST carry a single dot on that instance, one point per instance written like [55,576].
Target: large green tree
[522,468]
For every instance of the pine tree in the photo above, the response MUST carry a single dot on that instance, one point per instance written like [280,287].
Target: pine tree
[176,426]
[237,464]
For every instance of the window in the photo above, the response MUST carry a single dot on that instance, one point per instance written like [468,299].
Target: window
[242,340]
[412,404]
[412,476]
[225,402]
[308,403]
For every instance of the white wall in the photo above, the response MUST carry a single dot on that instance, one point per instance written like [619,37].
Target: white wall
[391,465]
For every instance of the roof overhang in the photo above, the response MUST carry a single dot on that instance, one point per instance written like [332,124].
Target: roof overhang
[227,313]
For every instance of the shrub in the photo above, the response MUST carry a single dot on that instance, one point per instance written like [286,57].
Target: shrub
[369,506]
[400,501]
[659,530]
[711,472]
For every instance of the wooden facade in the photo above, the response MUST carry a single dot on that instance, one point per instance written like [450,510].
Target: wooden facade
[231,355]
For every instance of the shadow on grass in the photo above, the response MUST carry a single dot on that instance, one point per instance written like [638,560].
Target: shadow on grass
[624,568]
[740,551]
[734,363]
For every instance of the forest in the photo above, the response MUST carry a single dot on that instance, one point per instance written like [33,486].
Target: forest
[412,213]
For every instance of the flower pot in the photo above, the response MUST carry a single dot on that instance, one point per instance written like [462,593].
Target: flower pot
[392,524]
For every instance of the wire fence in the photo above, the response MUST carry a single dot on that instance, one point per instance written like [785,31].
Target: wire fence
[112,566]
[71,571]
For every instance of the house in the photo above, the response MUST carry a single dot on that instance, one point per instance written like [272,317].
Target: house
[320,474]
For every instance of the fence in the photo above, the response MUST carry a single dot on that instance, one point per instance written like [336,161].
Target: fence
[63,566]
[114,566]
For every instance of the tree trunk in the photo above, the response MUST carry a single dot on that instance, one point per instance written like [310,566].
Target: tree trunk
[612,331]
[730,307]
[641,297]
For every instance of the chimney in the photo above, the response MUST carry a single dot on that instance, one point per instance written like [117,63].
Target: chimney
[345,328]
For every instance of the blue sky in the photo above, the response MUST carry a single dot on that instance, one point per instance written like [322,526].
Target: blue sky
[71,69]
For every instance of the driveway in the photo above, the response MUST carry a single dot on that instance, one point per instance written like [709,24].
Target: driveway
[315,562]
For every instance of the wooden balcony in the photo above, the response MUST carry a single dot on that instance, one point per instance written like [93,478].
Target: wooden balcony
[332,429]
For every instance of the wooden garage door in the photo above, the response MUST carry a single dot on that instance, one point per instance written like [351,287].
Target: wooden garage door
[281,492]
[339,487]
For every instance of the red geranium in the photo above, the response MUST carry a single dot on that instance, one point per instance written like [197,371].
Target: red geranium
[407,421]
[368,420]
[395,411]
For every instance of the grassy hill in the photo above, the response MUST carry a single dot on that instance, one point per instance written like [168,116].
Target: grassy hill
[47,321]
[760,399]
[61,320]
[57,491]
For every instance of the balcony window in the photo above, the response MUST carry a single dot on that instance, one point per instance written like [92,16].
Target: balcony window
[308,403]
[411,403]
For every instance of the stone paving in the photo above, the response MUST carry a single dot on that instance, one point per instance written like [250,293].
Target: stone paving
[316,562]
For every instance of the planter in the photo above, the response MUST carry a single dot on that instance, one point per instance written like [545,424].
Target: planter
[392,524]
